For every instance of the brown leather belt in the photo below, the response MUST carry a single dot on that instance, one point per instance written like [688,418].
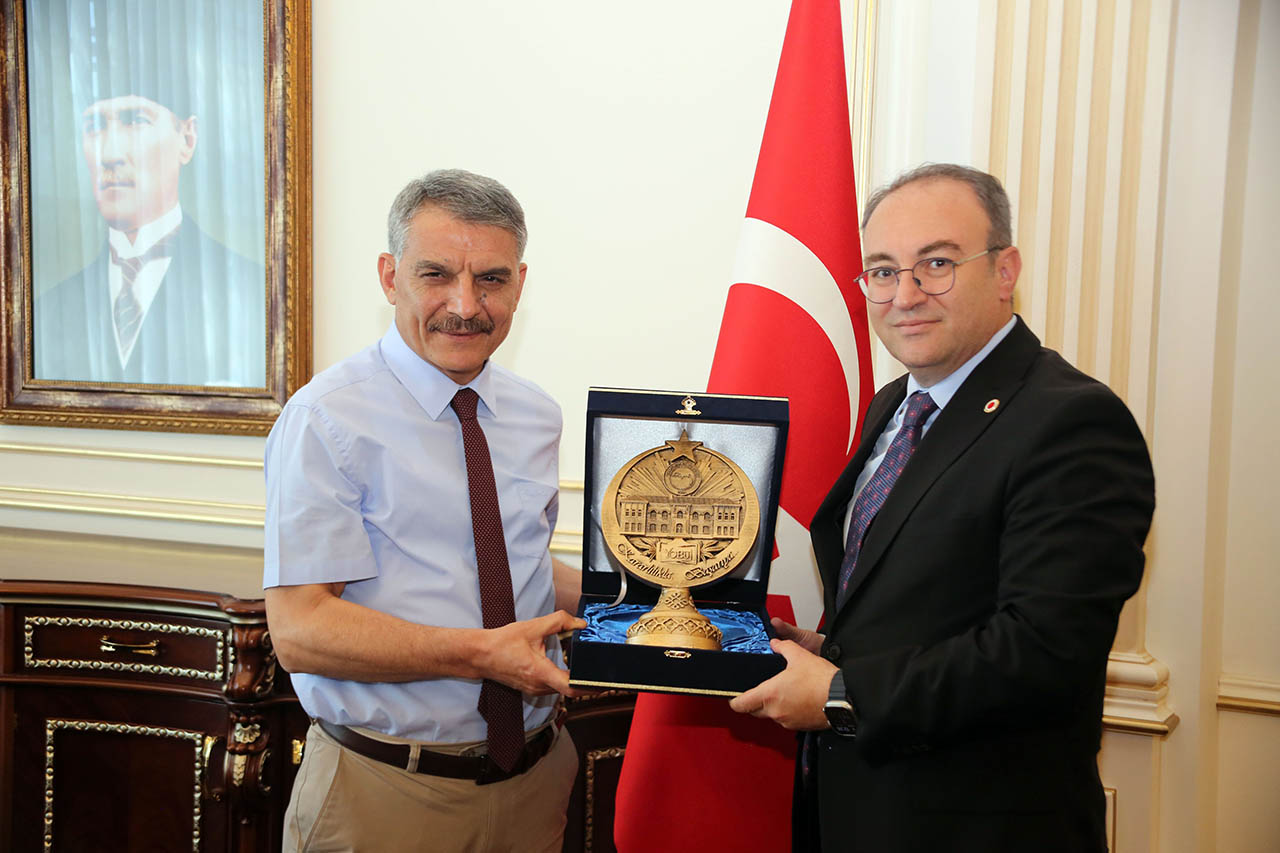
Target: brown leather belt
[481,768]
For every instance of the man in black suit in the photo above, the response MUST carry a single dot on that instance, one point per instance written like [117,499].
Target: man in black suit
[975,556]
[163,303]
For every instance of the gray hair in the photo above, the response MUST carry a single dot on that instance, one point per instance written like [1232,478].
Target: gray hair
[987,188]
[470,197]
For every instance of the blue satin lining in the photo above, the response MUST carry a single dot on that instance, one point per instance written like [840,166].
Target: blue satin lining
[743,630]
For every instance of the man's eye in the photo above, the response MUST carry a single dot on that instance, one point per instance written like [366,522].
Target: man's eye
[492,279]
[937,264]
[880,275]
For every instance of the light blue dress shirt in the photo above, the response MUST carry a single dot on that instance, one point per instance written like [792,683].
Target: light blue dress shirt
[941,392]
[367,485]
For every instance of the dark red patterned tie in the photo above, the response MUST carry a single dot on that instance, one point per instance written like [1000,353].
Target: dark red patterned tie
[873,494]
[500,705]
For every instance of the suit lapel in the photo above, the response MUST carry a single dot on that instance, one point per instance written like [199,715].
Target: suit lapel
[998,377]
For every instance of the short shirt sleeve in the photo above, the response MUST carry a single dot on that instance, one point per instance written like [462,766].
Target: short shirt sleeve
[314,525]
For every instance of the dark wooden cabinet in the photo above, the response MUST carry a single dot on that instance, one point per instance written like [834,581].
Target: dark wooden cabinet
[140,718]
[599,724]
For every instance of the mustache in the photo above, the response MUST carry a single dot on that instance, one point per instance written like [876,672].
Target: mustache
[455,325]
[114,179]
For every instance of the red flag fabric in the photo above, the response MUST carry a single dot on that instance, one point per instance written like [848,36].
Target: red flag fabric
[697,776]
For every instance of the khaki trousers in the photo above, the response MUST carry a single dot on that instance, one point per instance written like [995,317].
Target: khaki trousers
[343,801]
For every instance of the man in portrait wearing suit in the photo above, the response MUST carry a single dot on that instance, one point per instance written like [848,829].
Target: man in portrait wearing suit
[975,556]
[163,302]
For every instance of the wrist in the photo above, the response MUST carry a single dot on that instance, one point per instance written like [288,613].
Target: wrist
[842,717]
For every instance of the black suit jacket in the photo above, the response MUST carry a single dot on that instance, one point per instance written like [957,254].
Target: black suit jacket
[974,643]
[206,326]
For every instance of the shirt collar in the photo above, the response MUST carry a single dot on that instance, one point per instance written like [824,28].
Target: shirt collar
[427,384]
[944,389]
[148,235]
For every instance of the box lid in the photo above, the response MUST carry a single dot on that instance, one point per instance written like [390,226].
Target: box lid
[625,423]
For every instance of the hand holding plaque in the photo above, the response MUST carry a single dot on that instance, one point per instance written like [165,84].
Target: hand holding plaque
[679,516]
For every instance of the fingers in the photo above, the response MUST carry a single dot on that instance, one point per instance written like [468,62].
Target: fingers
[810,640]
[555,623]
[784,629]
[553,680]
[752,701]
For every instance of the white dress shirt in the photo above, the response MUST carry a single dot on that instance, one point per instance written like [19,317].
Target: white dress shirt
[942,391]
[147,283]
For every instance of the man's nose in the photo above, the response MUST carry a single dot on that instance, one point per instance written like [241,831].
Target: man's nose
[464,297]
[111,147]
[908,294]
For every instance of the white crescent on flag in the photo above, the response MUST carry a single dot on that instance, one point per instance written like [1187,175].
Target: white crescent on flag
[770,257]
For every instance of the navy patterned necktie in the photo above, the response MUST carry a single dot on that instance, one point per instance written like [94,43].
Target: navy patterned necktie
[877,489]
[127,308]
[501,706]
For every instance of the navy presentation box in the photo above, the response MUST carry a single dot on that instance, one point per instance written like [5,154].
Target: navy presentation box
[621,424]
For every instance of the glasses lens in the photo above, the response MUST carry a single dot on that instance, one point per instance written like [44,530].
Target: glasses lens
[936,275]
[879,284]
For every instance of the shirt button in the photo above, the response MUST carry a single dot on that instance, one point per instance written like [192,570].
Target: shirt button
[831,651]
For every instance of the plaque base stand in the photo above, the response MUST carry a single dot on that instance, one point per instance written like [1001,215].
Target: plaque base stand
[674,622]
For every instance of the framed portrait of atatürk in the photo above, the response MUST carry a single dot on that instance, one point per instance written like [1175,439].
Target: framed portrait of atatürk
[155,262]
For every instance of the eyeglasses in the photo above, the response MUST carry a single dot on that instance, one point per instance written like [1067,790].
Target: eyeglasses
[934,276]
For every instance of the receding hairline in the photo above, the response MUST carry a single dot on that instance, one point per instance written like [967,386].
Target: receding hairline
[986,189]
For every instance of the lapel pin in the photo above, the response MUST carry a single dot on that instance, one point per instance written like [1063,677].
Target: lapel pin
[991,406]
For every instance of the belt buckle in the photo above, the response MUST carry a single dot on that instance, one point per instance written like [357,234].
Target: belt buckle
[490,772]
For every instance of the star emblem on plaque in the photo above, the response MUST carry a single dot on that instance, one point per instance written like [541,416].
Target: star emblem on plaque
[679,516]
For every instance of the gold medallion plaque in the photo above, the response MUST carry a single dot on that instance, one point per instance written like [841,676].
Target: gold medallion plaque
[679,516]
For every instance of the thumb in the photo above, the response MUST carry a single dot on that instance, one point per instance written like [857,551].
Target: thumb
[789,649]
[784,629]
[554,623]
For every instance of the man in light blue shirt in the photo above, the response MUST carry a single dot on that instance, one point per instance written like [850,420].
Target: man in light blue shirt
[373,587]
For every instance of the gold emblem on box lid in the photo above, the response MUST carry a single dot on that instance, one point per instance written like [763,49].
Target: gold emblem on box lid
[678,516]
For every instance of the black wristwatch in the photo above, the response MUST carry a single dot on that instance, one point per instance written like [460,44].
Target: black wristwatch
[839,710]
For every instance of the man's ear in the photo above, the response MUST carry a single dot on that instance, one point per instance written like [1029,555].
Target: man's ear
[1008,268]
[522,271]
[387,275]
[189,130]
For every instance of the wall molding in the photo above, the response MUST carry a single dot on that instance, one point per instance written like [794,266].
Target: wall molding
[1252,695]
[173,509]
[130,455]
[116,505]
[1136,701]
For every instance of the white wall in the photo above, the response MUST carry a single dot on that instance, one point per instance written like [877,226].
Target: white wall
[629,133]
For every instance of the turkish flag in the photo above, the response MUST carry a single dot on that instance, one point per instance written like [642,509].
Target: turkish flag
[697,776]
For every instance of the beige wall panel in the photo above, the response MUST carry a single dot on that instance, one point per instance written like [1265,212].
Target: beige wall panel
[1130,763]
[1097,155]
[1148,213]
[1251,627]
[1248,779]
[1071,170]
[1025,127]
[1185,595]
[1113,182]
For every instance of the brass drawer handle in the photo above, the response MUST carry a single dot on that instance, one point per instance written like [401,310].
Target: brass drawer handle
[208,791]
[150,648]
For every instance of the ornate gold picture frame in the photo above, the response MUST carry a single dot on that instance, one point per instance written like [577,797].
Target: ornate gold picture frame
[32,392]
